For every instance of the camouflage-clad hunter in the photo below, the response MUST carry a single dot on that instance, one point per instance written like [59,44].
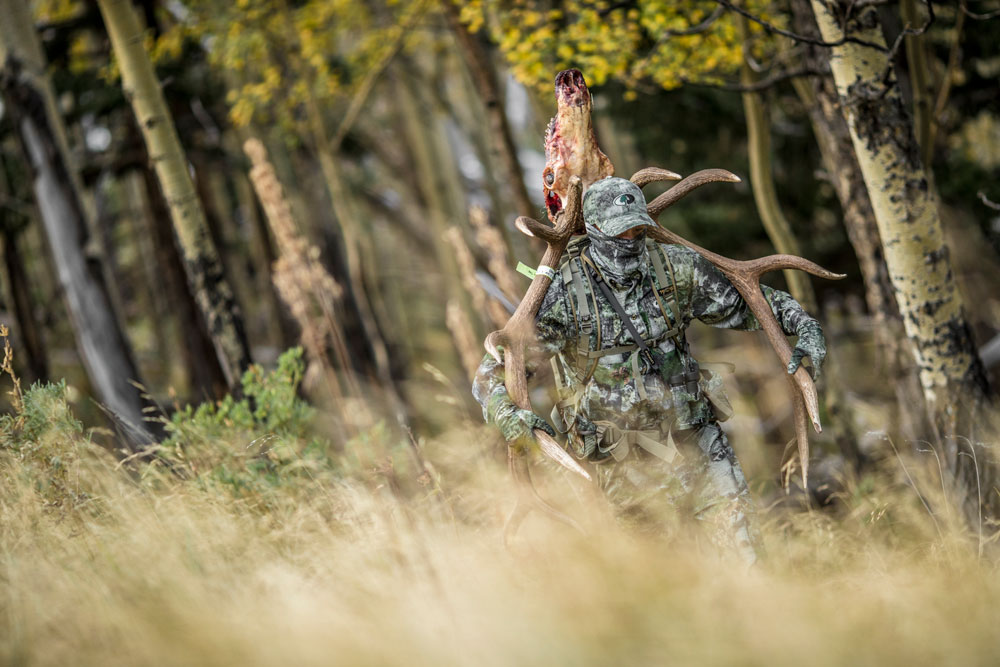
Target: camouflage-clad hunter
[645,412]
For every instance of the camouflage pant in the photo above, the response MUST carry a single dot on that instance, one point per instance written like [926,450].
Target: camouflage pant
[707,484]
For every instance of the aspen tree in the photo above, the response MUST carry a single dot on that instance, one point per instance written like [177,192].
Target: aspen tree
[951,374]
[201,260]
[103,347]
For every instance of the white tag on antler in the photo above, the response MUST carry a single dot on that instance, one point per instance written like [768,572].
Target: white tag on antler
[526,270]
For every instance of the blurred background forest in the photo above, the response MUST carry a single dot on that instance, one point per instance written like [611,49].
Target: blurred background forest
[347,178]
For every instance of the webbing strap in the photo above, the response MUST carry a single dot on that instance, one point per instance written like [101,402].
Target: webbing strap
[572,273]
[623,316]
[657,255]
[640,344]
[557,373]
[597,354]
[661,276]
[622,441]
[583,305]
[640,383]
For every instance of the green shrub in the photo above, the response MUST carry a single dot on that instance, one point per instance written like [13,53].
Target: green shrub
[253,443]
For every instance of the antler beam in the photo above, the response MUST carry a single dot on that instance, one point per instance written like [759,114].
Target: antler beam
[508,346]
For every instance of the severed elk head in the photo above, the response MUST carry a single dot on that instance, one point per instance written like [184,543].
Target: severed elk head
[570,145]
[573,162]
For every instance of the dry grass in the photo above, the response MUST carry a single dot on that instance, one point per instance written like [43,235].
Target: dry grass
[355,559]
[252,540]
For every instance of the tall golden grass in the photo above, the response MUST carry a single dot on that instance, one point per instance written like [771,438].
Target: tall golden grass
[236,545]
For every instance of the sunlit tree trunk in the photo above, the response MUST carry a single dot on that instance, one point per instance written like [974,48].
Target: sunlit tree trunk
[103,346]
[819,96]
[951,374]
[201,260]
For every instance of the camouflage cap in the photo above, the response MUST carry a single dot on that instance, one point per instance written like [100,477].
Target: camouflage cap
[615,205]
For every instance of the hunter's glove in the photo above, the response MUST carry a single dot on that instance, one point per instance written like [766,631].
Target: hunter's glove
[812,344]
[516,423]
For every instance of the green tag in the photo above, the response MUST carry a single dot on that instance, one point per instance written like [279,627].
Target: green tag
[524,269]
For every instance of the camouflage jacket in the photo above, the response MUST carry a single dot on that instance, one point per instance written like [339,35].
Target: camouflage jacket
[610,392]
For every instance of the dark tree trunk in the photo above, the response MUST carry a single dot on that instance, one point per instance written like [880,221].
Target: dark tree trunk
[197,352]
[477,60]
[103,346]
[28,331]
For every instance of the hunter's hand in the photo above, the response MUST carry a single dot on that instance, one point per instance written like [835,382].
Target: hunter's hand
[812,344]
[520,423]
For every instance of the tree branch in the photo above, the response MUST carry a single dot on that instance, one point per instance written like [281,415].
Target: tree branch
[695,29]
[906,32]
[770,27]
[763,84]
[986,200]
[978,17]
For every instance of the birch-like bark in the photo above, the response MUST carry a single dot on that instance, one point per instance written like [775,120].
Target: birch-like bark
[819,96]
[201,260]
[951,374]
[103,346]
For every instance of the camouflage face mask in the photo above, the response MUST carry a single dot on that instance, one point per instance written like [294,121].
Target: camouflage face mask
[621,261]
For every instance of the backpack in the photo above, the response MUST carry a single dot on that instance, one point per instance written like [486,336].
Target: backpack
[583,306]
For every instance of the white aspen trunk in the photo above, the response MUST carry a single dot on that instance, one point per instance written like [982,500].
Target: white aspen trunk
[201,260]
[103,346]
[951,374]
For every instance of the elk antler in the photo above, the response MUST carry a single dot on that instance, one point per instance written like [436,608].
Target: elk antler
[745,277]
[513,339]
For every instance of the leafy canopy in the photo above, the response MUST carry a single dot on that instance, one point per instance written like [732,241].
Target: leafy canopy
[635,43]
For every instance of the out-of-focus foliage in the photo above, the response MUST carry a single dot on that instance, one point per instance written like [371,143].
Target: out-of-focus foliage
[269,405]
[279,56]
[143,565]
[270,424]
[635,43]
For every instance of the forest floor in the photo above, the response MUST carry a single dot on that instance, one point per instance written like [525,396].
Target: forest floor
[247,540]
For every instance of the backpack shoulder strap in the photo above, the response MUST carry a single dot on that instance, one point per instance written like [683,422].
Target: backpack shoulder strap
[665,289]
[583,305]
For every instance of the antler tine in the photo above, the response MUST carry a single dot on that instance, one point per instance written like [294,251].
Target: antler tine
[692,182]
[528,498]
[532,227]
[554,451]
[776,262]
[644,177]
[571,220]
